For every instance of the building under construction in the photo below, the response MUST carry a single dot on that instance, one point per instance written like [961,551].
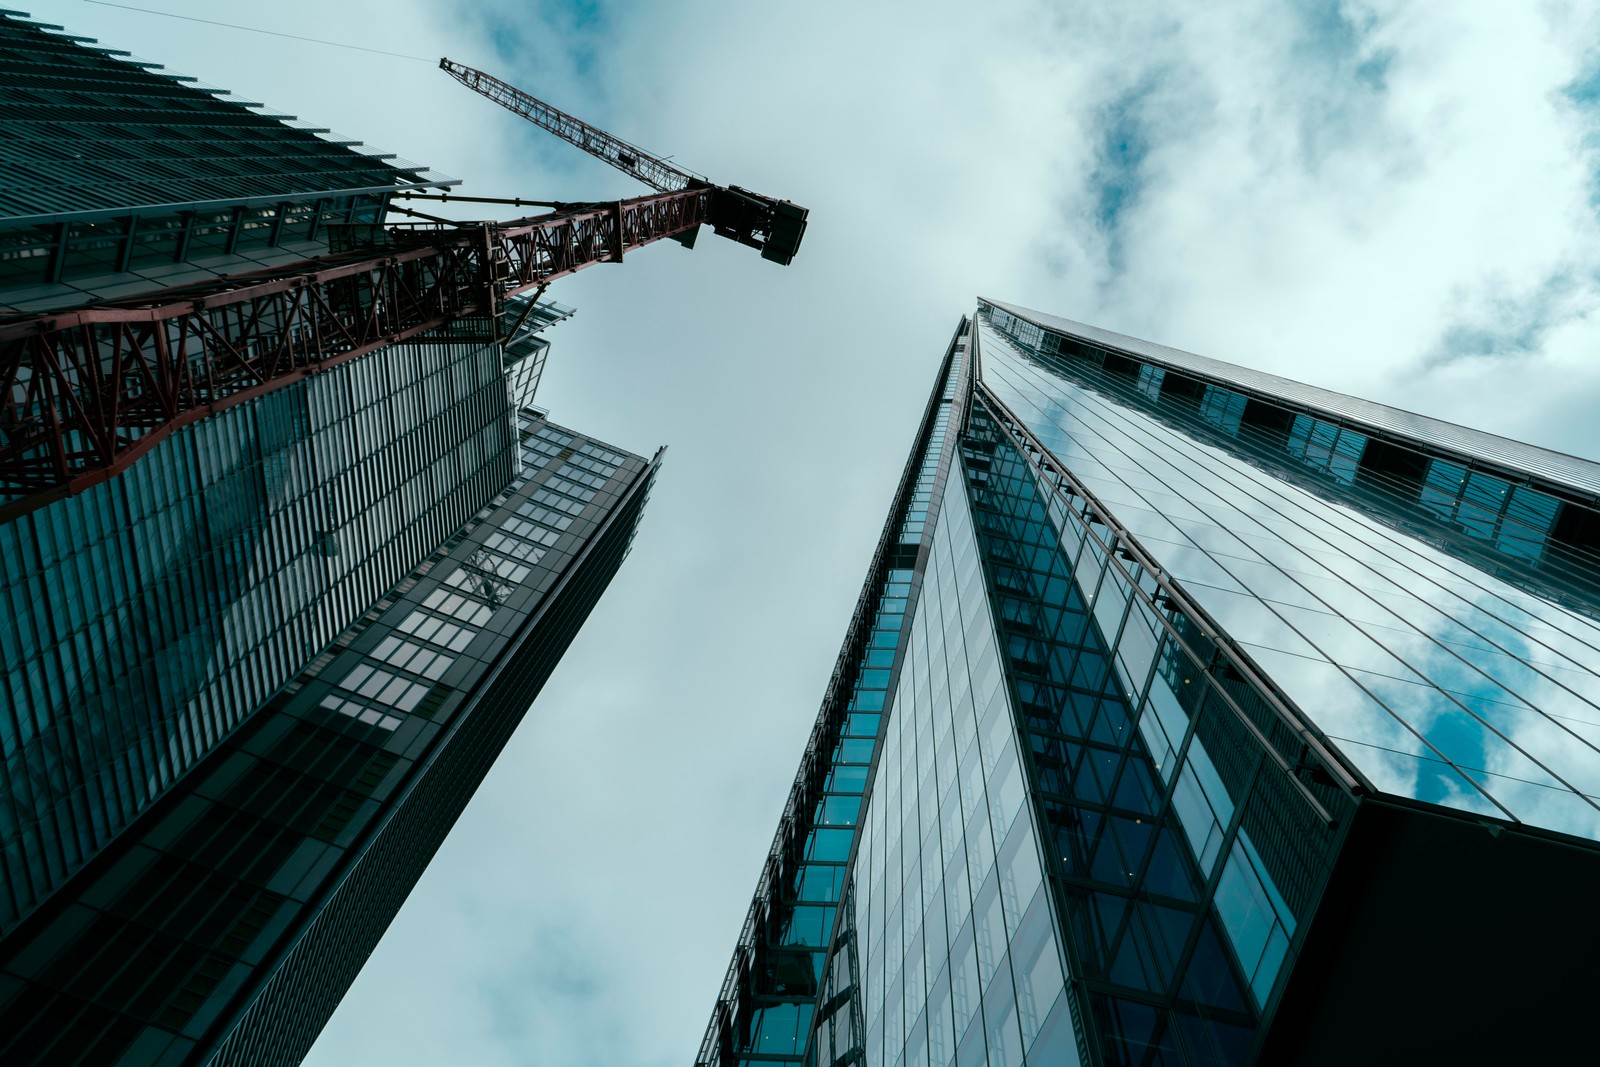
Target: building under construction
[286,551]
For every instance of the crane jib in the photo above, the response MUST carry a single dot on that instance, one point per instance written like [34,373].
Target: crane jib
[92,389]
[775,227]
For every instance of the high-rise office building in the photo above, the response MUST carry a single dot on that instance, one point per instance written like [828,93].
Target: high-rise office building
[251,677]
[1191,715]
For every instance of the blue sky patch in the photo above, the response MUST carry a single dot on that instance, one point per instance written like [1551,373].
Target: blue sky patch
[1119,178]
[1510,328]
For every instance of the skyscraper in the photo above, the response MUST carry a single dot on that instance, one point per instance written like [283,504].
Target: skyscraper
[254,673]
[1191,715]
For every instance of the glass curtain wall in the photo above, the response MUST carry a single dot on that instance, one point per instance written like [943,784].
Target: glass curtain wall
[147,616]
[1150,777]
[958,948]
[226,922]
[1082,840]
[1169,624]
[1436,678]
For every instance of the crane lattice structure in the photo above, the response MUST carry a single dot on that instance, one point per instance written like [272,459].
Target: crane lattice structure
[657,173]
[84,392]
[773,226]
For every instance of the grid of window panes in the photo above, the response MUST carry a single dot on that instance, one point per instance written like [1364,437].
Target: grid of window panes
[117,178]
[454,750]
[916,520]
[526,351]
[147,616]
[779,975]
[1538,533]
[958,952]
[394,678]
[781,1029]
[1036,329]
[84,254]
[283,856]
[525,369]
[838,1031]
[541,446]
[1186,854]
[1437,680]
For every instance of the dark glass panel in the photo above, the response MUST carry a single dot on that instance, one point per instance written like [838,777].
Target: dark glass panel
[95,247]
[27,255]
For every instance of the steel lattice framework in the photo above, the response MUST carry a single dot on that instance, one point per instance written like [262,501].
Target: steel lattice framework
[86,392]
[656,173]
[775,227]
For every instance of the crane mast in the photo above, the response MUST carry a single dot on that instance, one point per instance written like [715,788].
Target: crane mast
[773,226]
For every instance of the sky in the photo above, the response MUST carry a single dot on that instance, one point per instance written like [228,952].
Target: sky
[1395,200]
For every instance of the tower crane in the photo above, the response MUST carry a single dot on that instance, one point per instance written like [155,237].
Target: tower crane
[773,226]
[85,391]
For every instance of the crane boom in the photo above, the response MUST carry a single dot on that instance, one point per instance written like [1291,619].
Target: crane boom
[773,226]
[84,392]
[629,159]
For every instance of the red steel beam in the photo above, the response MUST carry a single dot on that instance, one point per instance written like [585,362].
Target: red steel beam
[84,393]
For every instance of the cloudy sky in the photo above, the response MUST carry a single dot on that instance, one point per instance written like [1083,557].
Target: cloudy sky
[1396,200]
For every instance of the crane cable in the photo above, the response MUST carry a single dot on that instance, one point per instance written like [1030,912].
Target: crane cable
[257,29]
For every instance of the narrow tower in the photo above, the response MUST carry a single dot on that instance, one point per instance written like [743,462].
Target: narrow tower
[1191,715]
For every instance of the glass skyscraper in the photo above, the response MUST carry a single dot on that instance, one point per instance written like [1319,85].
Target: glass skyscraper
[251,680]
[1191,715]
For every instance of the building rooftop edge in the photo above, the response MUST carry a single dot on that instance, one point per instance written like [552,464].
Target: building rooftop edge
[1571,471]
[437,181]
[323,146]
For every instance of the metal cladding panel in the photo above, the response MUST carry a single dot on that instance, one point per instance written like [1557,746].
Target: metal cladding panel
[1571,471]
[83,130]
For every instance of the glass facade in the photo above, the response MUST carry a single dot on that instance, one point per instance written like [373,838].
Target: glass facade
[224,925]
[148,616]
[768,1006]
[957,947]
[1189,651]
[1524,514]
[1437,679]
[1151,783]
[527,348]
